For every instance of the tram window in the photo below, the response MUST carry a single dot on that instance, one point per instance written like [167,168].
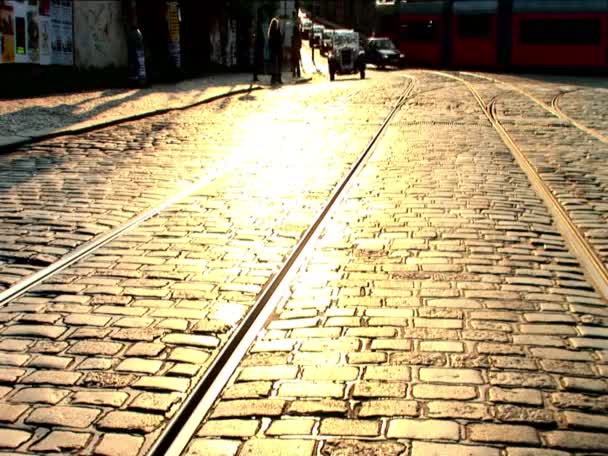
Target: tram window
[474,26]
[419,31]
[561,31]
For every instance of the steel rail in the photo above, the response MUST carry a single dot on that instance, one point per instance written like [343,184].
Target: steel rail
[180,430]
[554,108]
[23,286]
[591,131]
[29,282]
[590,260]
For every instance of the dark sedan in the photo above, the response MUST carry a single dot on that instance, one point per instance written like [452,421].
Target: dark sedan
[382,53]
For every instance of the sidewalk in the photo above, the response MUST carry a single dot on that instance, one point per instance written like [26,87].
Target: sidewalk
[23,120]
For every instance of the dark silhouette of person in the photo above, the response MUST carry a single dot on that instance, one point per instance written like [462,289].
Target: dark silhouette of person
[258,52]
[275,43]
[296,47]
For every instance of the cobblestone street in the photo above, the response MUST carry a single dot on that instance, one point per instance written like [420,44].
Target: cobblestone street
[441,311]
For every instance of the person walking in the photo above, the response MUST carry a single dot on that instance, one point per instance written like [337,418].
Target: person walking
[275,43]
[258,52]
[296,47]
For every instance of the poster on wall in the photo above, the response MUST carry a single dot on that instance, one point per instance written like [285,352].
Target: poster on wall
[33,34]
[44,24]
[7,35]
[56,38]
[20,10]
[66,32]
[44,29]
[173,20]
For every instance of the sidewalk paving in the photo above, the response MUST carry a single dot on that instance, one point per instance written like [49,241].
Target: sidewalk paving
[39,117]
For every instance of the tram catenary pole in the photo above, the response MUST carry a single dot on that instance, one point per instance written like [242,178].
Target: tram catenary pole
[311,39]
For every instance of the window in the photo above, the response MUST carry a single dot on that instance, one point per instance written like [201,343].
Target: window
[419,31]
[561,31]
[474,26]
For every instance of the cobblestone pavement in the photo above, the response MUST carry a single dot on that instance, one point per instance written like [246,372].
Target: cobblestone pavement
[98,357]
[440,313]
[58,194]
[570,160]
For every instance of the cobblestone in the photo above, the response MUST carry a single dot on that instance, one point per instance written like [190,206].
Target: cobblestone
[441,303]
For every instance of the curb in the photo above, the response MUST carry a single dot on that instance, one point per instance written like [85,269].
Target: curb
[9,146]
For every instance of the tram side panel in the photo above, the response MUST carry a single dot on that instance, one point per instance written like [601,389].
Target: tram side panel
[474,40]
[560,40]
[420,39]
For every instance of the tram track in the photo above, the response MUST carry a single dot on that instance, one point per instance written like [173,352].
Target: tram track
[560,113]
[23,286]
[589,258]
[247,329]
[182,427]
[553,108]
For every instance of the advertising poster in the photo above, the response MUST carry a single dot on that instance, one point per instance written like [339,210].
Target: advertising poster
[66,33]
[20,10]
[44,25]
[33,34]
[173,20]
[44,28]
[56,37]
[7,35]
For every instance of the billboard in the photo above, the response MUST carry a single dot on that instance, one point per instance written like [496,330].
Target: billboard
[36,31]
[7,34]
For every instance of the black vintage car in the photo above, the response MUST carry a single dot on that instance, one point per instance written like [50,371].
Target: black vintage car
[346,55]
[382,53]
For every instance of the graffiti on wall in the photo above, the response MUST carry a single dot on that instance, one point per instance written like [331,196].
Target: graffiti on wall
[99,34]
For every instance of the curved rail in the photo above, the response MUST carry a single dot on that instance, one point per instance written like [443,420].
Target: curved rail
[591,131]
[554,108]
[193,410]
[575,238]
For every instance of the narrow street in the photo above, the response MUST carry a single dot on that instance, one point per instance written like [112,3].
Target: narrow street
[451,301]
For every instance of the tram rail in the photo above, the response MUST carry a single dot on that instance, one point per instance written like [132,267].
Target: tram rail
[176,434]
[574,236]
[181,429]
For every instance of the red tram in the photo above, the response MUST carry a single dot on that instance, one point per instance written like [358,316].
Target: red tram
[474,35]
[564,34]
[421,28]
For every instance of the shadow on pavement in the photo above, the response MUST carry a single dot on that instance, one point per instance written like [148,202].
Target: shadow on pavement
[28,116]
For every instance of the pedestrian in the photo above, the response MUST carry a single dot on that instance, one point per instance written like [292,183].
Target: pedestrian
[258,52]
[296,47]
[275,43]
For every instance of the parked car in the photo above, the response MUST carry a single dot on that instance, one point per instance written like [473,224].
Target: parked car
[316,35]
[382,53]
[305,28]
[326,41]
[346,55]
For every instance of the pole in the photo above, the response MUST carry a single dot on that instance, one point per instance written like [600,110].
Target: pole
[312,31]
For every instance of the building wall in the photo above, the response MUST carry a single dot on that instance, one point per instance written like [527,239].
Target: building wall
[99,34]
